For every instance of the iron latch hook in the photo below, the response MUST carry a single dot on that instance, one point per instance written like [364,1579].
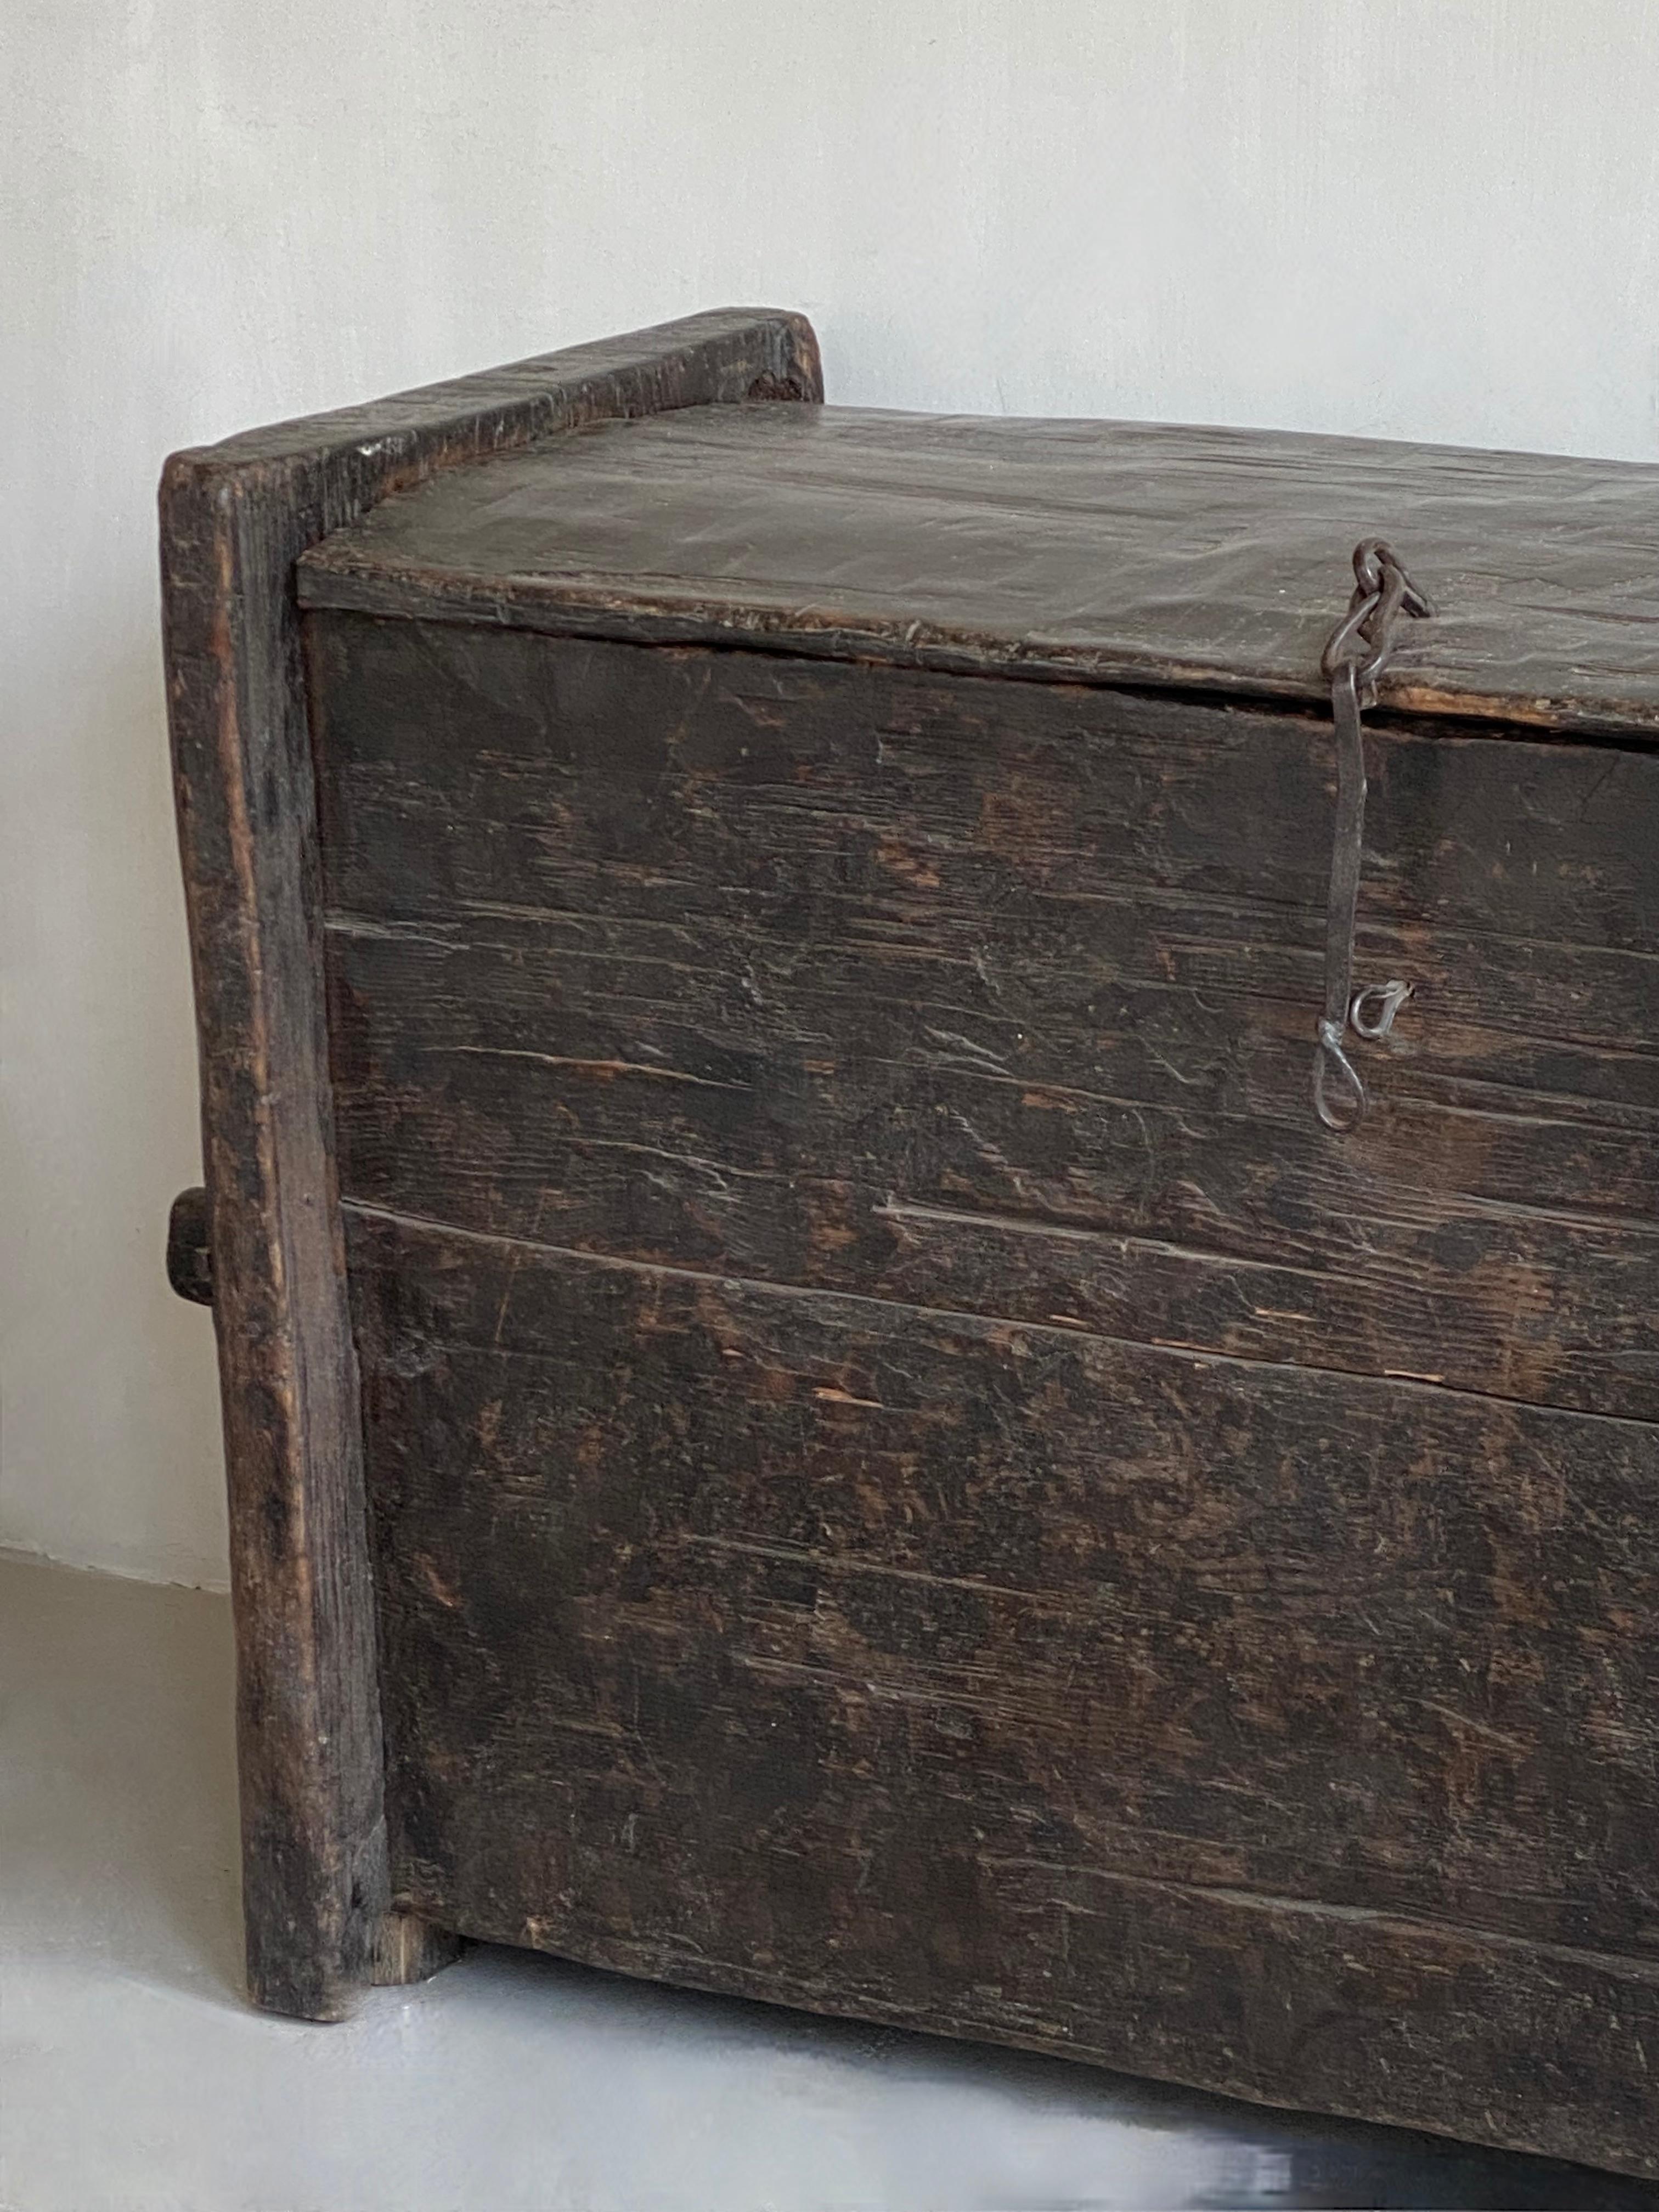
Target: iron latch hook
[1354,657]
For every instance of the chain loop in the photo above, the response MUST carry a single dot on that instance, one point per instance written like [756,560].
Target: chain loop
[1363,638]
[1329,1056]
[1355,655]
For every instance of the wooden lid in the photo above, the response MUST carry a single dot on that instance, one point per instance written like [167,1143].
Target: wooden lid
[1092,552]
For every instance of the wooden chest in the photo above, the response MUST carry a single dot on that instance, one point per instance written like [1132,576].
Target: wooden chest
[811,1409]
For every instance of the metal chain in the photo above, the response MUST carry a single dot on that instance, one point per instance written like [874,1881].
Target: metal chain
[1353,658]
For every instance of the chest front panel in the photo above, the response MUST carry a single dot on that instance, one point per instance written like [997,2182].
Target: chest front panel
[906,1471]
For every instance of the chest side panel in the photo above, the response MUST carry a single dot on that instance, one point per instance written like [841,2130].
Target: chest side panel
[906,1472]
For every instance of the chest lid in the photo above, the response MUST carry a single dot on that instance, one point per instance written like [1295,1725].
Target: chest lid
[1117,553]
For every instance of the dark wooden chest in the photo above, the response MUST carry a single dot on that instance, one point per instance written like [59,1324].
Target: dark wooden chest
[810,1409]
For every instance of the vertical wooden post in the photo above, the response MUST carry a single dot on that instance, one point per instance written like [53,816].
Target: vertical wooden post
[235,518]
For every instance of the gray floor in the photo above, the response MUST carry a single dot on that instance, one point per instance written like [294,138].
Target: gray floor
[132,2074]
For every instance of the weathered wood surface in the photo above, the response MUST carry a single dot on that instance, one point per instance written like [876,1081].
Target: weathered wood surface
[1287,1732]
[997,999]
[904,1473]
[235,518]
[908,1475]
[1104,552]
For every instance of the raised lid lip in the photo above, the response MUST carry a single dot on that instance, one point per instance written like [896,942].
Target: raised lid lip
[375,566]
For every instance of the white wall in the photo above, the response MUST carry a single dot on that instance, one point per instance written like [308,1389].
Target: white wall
[1428,218]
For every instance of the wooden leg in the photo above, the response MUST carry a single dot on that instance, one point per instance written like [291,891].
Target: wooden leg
[410,1950]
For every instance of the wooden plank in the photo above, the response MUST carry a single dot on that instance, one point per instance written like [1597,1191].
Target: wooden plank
[1277,1732]
[1100,552]
[235,518]
[882,982]
[1197,800]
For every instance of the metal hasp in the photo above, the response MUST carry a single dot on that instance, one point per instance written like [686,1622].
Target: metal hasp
[1353,658]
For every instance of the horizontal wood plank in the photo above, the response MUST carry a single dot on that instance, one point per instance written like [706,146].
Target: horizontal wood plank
[1075,790]
[1223,1721]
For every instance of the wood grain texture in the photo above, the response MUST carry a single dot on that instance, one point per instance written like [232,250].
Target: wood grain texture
[1105,552]
[1249,1726]
[905,1473]
[995,998]
[908,1476]
[234,519]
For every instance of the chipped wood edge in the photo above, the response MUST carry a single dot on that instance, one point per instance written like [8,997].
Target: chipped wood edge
[235,518]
